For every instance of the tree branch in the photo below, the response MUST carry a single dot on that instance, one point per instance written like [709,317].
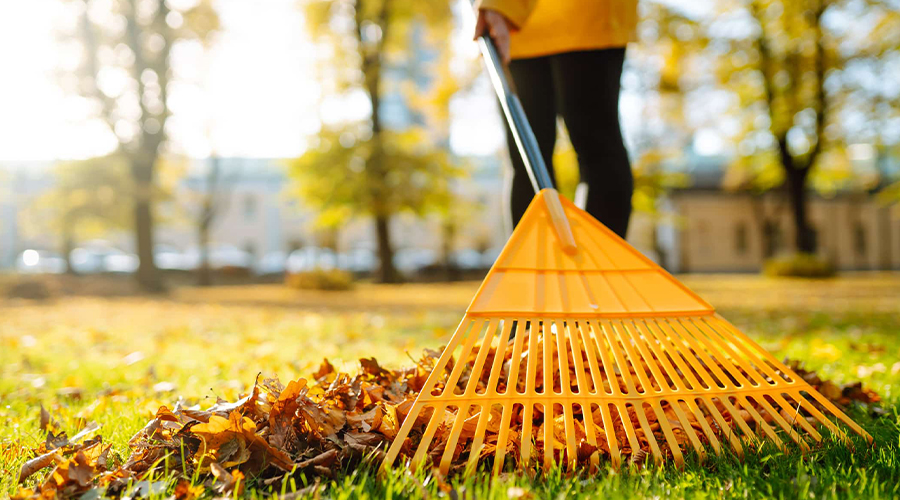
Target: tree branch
[92,68]
[765,68]
[821,100]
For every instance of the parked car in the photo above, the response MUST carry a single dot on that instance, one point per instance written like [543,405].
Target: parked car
[411,260]
[117,261]
[467,259]
[33,261]
[101,258]
[229,257]
[358,261]
[220,257]
[311,258]
[87,260]
[272,263]
[169,258]
[489,256]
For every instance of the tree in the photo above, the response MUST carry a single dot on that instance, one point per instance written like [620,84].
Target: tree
[457,210]
[363,38]
[84,201]
[333,179]
[792,72]
[210,195]
[125,69]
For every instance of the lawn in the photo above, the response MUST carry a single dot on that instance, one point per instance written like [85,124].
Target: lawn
[114,361]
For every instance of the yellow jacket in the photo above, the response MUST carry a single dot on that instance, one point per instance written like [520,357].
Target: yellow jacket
[547,27]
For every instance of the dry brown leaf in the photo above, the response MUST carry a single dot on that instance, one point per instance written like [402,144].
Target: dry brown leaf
[336,418]
[38,463]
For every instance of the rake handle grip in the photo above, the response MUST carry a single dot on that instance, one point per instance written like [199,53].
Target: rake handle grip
[526,142]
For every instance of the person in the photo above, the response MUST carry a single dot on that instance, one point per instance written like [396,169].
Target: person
[565,58]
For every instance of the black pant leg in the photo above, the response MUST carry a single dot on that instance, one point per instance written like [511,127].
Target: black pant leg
[534,85]
[587,86]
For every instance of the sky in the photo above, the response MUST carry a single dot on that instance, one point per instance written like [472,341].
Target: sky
[251,92]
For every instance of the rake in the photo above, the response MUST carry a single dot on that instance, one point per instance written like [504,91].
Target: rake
[601,338]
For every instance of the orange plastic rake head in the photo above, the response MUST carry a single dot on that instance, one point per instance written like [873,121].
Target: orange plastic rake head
[609,355]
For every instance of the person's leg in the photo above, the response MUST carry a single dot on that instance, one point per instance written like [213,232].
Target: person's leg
[587,85]
[534,85]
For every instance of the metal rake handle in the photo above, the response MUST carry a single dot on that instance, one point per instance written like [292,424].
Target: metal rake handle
[515,116]
[526,142]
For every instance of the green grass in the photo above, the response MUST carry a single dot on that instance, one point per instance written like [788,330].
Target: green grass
[114,361]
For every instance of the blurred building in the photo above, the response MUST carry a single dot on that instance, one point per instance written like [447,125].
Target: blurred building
[708,229]
[20,184]
[721,231]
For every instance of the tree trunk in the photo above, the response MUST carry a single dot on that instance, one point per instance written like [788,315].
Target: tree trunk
[662,256]
[451,272]
[208,212]
[388,274]
[803,235]
[147,274]
[764,226]
[68,246]
[204,273]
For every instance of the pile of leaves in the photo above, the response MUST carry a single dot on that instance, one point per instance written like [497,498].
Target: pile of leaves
[316,427]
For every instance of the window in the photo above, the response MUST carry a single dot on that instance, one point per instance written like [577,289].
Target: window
[249,207]
[740,238]
[859,239]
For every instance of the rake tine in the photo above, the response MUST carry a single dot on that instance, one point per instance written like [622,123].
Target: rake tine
[474,333]
[461,331]
[470,390]
[562,350]
[581,380]
[527,438]
[450,448]
[619,357]
[811,408]
[499,356]
[592,341]
[688,429]
[651,438]
[654,365]
[611,439]
[622,411]
[502,436]
[724,426]
[436,420]
[696,368]
[791,432]
[641,375]
[839,414]
[729,359]
[549,433]
[479,437]
[643,344]
[711,367]
[796,417]
[712,333]
[687,377]
[701,418]
[761,423]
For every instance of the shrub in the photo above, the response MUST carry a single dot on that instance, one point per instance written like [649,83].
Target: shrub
[32,289]
[800,265]
[319,279]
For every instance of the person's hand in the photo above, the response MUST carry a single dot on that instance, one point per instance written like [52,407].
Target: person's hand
[497,26]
